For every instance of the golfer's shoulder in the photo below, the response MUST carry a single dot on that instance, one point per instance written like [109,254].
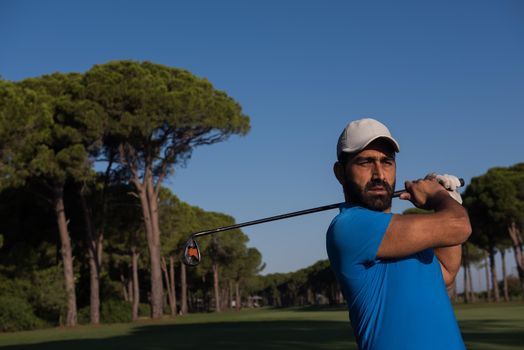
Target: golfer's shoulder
[355,229]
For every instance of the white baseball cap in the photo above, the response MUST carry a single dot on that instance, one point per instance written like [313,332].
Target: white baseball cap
[360,133]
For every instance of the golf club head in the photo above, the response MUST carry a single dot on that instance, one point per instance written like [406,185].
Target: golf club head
[191,255]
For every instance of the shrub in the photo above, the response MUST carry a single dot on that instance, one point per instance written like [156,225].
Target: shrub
[48,296]
[84,315]
[144,310]
[18,287]
[115,311]
[16,315]
[514,287]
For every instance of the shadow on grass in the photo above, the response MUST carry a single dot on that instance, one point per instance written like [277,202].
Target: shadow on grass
[226,335]
[488,333]
[491,332]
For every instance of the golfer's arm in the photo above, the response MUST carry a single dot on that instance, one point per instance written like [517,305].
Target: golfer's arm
[449,258]
[447,226]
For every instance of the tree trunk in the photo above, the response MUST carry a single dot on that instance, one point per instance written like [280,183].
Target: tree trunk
[169,288]
[156,276]
[216,287]
[470,284]
[94,250]
[516,240]
[129,285]
[174,310]
[237,295]
[183,289]
[125,288]
[136,289]
[467,276]
[67,255]
[94,290]
[488,289]
[504,276]
[310,296]
[466,280]
[494,284]
[333,297]
[95,266]
[480,277]
[224,298]
[214,266]
[230,294]
[94,279]
[148,203]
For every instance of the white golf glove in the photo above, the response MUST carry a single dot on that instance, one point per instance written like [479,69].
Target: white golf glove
[450,183]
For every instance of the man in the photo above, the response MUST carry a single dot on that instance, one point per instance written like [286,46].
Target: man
[393,269]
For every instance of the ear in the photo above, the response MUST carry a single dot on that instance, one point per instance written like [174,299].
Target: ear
[339,171]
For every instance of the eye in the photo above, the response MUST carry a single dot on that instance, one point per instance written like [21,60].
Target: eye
[364,162]
[388,161]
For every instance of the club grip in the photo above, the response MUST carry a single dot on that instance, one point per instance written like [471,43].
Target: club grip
[399,192]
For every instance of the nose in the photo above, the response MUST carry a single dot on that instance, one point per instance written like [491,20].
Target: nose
[378,171]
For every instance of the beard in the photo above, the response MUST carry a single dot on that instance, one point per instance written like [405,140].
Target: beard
[362,197]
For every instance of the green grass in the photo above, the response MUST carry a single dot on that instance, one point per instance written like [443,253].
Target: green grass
[492,326]
[484,327]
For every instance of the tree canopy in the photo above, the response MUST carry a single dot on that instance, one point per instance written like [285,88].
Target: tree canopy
[139,119]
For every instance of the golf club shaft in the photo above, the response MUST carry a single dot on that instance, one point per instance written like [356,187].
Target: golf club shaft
[276,217]
[284,216]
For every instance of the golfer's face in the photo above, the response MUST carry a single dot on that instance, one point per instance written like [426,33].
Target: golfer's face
[371,176]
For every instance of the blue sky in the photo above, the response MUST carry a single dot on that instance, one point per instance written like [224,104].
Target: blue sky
[447,78]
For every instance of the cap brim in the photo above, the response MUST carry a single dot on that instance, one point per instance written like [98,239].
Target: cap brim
[391,140]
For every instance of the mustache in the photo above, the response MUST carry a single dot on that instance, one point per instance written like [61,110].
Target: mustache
[378,182]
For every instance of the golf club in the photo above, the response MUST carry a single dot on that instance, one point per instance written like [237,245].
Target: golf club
[192,257]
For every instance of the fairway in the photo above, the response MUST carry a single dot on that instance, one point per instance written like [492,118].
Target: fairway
[484,326]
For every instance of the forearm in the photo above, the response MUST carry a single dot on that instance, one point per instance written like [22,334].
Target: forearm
[450,256]
[450,259]
[454,227]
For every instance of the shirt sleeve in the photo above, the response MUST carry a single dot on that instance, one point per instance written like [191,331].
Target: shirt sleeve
[357,234]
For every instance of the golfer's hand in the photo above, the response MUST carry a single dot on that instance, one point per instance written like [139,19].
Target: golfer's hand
[450,183]
[423,192]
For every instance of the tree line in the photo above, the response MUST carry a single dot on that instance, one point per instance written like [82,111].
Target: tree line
[83,157]
[313,285]
[495,203]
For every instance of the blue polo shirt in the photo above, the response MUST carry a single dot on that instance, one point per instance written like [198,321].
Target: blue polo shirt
[393,303]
